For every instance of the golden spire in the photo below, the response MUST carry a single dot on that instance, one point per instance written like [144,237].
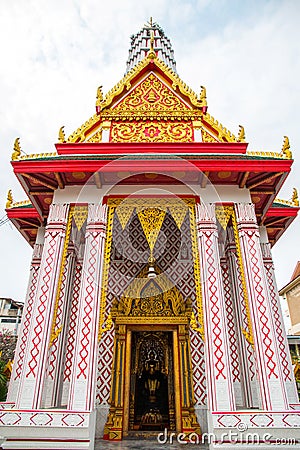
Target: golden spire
[17,150]
[202,96]
[151,54]
[61,135]
[295,198]
[241,135]
[10,200]
[151,22]
[99,96]
[286,148]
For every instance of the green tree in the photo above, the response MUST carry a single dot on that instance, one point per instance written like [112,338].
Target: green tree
[7,350]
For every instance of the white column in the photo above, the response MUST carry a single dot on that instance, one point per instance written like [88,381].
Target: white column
[219,381]
[83,382]
[247,356]
[233,337]
[269,369]
[26,318]
[281,338]
[71,336]
[52,391]
[33,373]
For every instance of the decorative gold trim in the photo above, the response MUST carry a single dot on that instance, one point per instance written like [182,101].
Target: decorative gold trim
[106,262]
[80,214]
[223,216]
[264,154]
[22,203]
[197,276]
[294,202]
[295,198]
[37,156]
[285,151]
[17,150]
[61,135]
[223,133]
[241,135]
[56,331]
[9,202]
[202,96]
[151,220]
[227,212]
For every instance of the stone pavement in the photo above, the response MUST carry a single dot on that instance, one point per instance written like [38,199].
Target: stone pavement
[135,444]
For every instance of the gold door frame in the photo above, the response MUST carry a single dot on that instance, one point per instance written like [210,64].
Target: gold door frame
[118,418]
[176,374]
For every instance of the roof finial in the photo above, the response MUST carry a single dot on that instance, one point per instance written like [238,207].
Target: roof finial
[61,135]
[151,54]
[202,99]
[151,22]
[9,199]
[17,150]
[295,198]
[241,136]
[286,148]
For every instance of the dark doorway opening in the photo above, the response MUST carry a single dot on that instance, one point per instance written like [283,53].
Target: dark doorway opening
[152,381]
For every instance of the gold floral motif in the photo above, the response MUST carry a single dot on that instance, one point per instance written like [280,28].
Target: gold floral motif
[153,302]
[152,131]
[151,94]
[97,137]
[206,137]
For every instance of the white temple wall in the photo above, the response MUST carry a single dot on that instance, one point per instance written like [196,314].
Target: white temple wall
[210,194]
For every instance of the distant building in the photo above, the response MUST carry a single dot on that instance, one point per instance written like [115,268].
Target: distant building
[291,294]
[294,346]
[10,314]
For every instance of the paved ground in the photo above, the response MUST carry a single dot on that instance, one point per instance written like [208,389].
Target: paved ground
[144,445]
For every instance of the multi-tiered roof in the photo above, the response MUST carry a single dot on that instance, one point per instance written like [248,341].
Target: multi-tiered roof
[151,128]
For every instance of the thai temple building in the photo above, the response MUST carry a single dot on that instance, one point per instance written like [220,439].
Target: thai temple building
[152,305]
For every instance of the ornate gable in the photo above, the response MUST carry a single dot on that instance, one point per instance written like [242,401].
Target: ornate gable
[151,94]
[151,104]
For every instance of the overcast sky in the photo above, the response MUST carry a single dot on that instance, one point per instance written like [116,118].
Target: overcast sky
[54,55]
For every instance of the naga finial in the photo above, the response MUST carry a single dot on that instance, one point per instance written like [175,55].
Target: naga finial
[202,96]
[10,200]
[99,96]
[241,135]
[151,54]
[295,198]
[17,150]
[286,148]
[61,135]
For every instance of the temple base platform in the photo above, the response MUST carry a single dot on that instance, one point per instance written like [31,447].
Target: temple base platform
[47,429]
